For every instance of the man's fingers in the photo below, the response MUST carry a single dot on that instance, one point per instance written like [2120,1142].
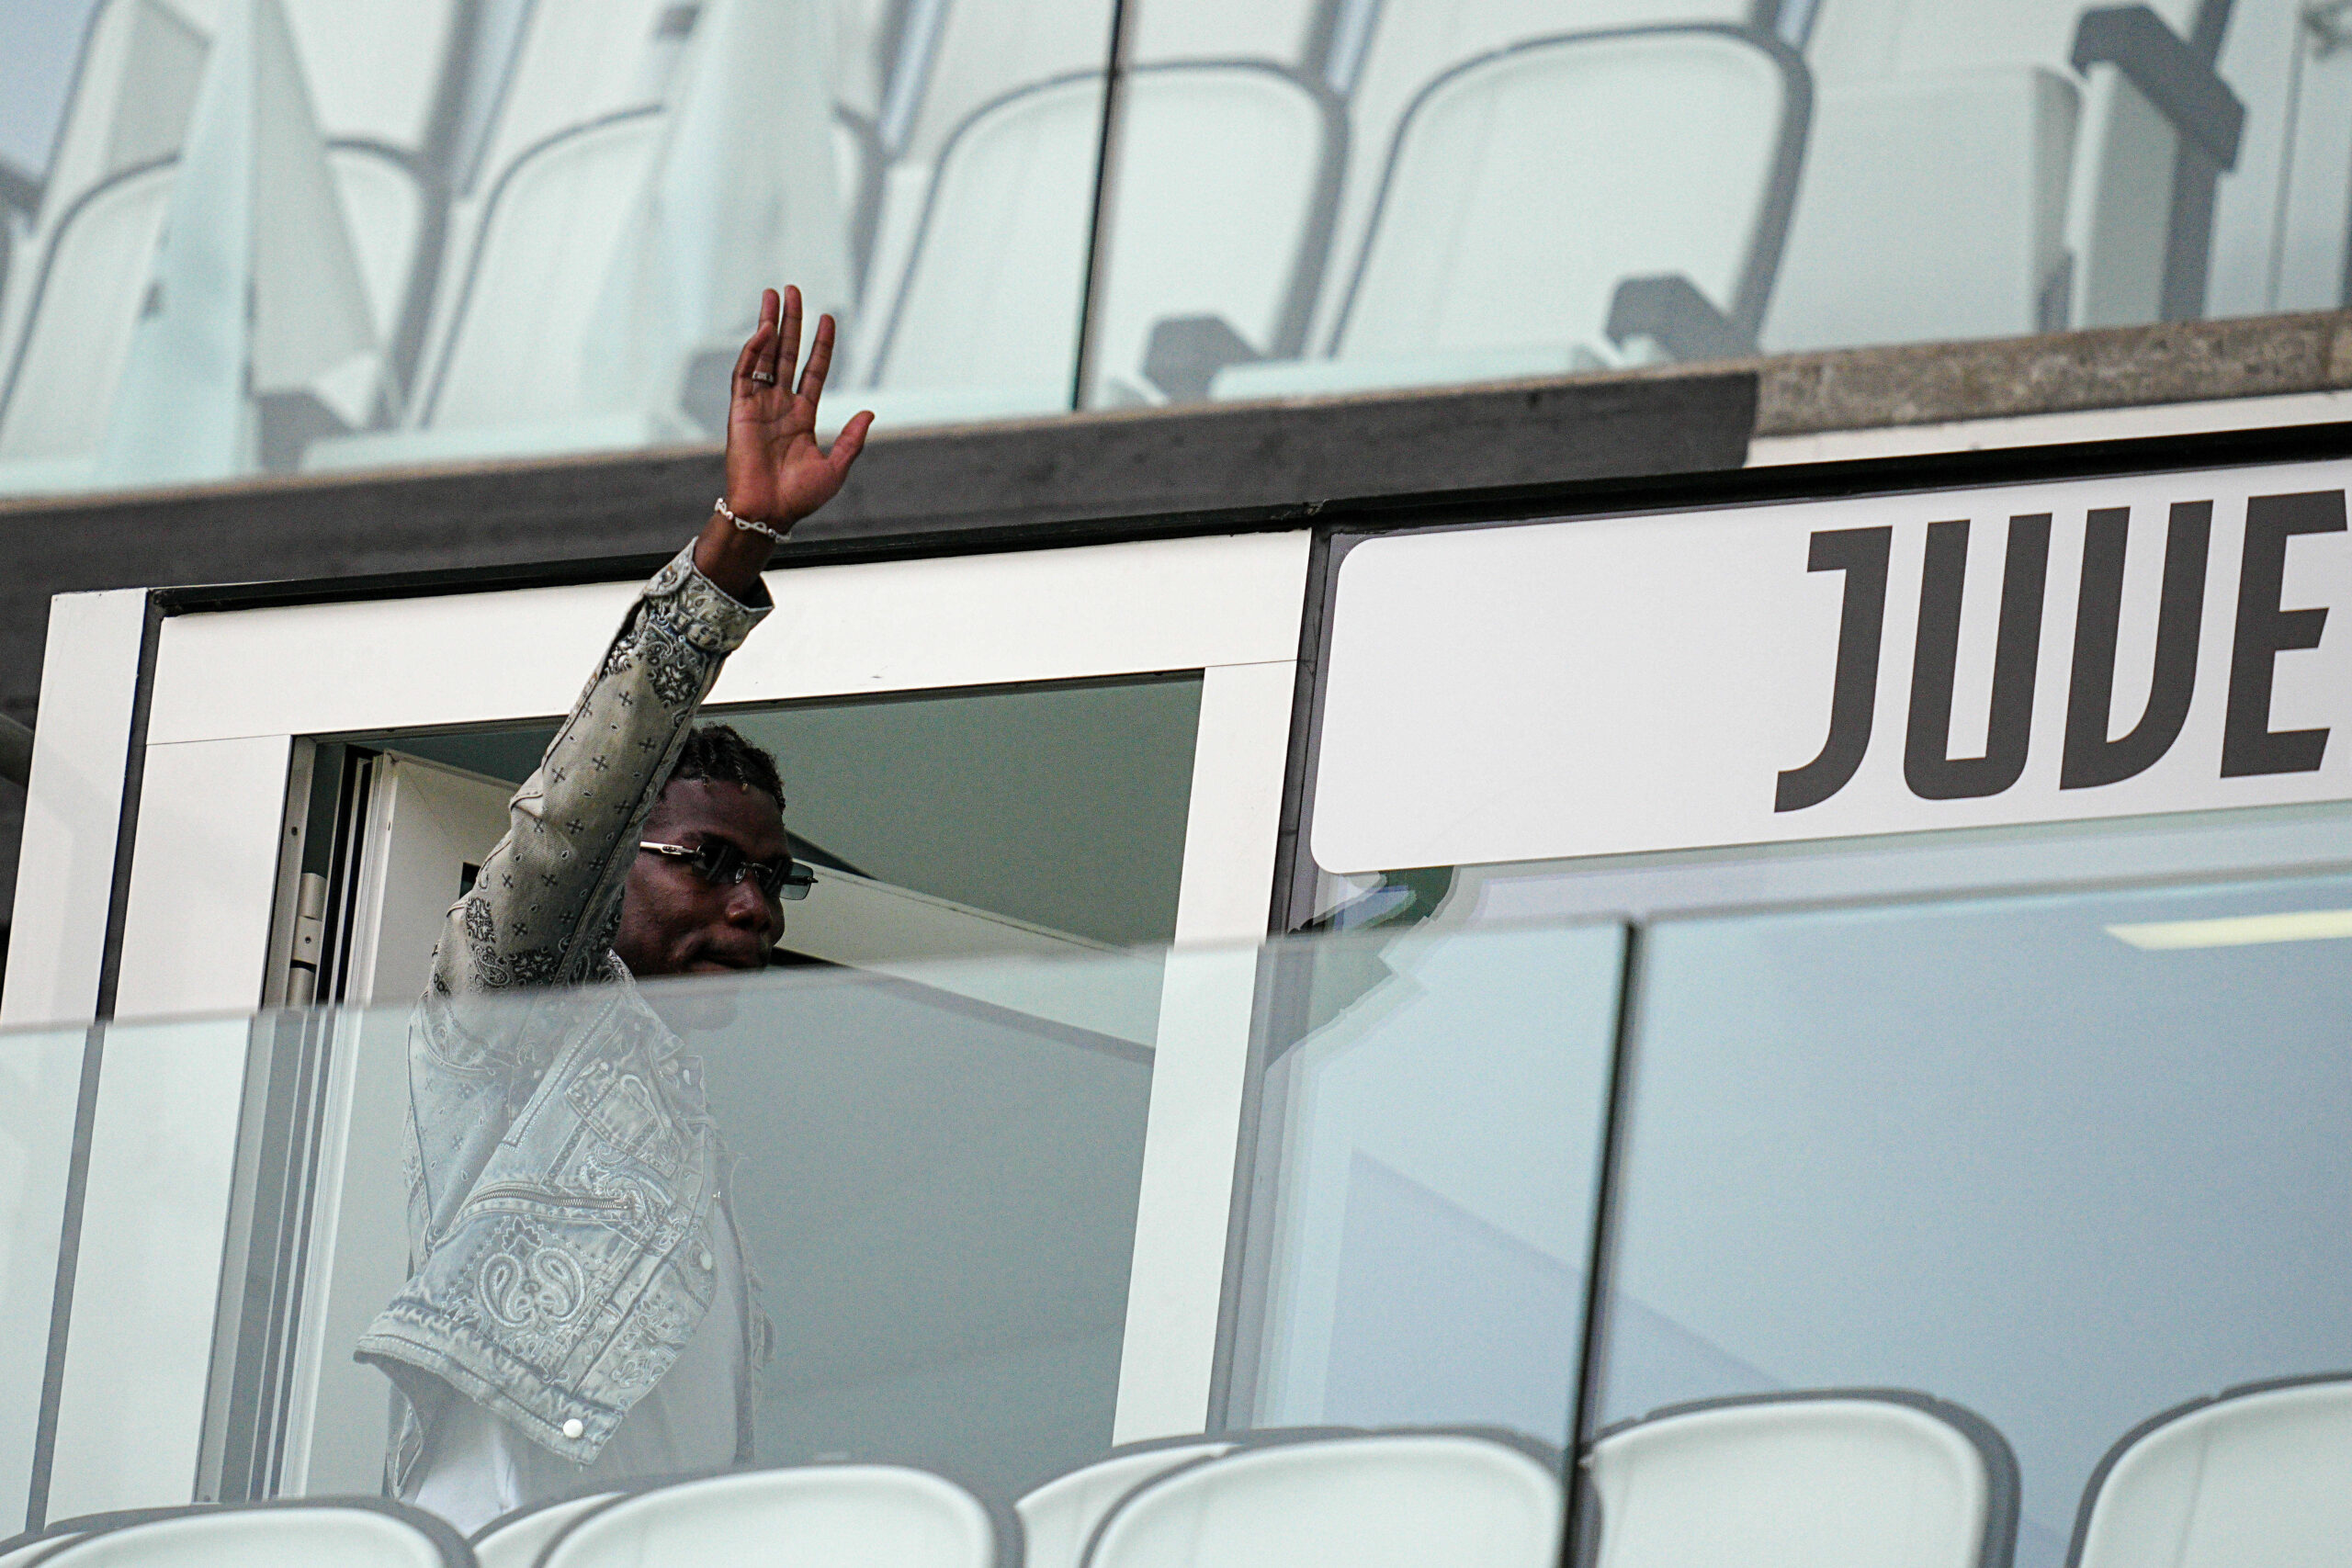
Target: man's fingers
[820,360]
[771,311]
[753,347]
[849,442]
[788,357]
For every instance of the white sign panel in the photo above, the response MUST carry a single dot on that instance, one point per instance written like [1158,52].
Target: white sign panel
[1813,670]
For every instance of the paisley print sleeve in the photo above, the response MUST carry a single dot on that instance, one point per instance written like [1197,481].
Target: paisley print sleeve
[543,909]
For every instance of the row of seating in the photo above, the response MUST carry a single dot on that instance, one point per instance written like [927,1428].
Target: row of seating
[1870,1478]
[536,232]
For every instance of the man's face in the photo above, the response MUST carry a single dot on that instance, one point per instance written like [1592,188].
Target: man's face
[673,921]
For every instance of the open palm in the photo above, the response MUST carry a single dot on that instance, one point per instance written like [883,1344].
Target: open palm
[776,472]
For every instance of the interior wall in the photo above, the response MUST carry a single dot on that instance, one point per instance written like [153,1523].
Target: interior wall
[1061,805]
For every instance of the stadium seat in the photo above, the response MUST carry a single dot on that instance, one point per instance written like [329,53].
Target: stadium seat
[1226,184]
[21,1551]
[1226,175]
[1059,1517]
[1864,1477]
[517,329]
[384,208]
[2254,1479]
[82,292]
[1384,67]
[74,282]
[2092,136]
[1403,1499]
[852,1516]
[350,1532]
[516,1539]
[1496,233]
[995,272]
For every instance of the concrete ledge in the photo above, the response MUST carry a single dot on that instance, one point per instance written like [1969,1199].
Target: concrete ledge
[2177,362]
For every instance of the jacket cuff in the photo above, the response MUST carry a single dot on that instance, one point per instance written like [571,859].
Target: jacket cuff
[700,611]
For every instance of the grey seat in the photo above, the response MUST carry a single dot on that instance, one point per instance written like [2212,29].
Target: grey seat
[1513,251]
[2256,1478]
[1861,1478]
[1402,1499]
[350,1532]
[517,1540]
[852,1516]
[1059,1517]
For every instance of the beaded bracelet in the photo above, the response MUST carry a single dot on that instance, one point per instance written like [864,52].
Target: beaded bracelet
[749,524]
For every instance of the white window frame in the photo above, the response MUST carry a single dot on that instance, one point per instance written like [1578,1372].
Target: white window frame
[231,691]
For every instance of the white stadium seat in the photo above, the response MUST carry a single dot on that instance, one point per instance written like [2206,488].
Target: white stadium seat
[356,1532]
[997,266]
[518,325]
[1406,1499]
[1225,175]
[1059,1517]
[27,1551]
[82,293]
[1868,1479]
[1495,233]
[74,284]
[517,1540]
[1405,47]
[828,1515]
[2258,1478]
[2070,158]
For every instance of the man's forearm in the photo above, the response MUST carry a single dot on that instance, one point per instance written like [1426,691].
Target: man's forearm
[542,905]
[733,558]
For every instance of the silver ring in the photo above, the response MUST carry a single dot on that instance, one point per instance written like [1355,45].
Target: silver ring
[765,376]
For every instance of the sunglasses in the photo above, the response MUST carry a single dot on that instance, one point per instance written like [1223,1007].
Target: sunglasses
[721,864]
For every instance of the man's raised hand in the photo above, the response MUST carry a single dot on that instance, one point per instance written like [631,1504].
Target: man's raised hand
[776,474]
[776,471]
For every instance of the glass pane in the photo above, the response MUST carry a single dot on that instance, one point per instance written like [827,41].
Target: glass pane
[511,228]
[1411,191]
[928,1179]
[42,1074]
[159,1197]
[2068,1161]
[1419,1226]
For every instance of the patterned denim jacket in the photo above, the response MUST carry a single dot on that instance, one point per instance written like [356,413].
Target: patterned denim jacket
[563,1170]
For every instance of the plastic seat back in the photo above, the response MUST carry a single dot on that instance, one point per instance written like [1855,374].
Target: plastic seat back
[1868,1479]
[845,1515]
[350,1532]
[1227,175]
[516,1539]
[82,299]
[1384,1500]
[1494,226]
[1058,1519]
[520,322]
[2259,1478]
[995,276]
[2105,180]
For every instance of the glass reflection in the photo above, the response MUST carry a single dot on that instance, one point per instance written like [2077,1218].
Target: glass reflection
[1428,1142]
[249,235]
[2020,1154]
[930,1176]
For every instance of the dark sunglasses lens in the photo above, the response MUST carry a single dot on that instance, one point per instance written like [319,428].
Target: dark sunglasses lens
[789,882]
[719,863]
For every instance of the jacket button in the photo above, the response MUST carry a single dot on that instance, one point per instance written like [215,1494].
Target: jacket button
[573,1427]
[703,1259]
